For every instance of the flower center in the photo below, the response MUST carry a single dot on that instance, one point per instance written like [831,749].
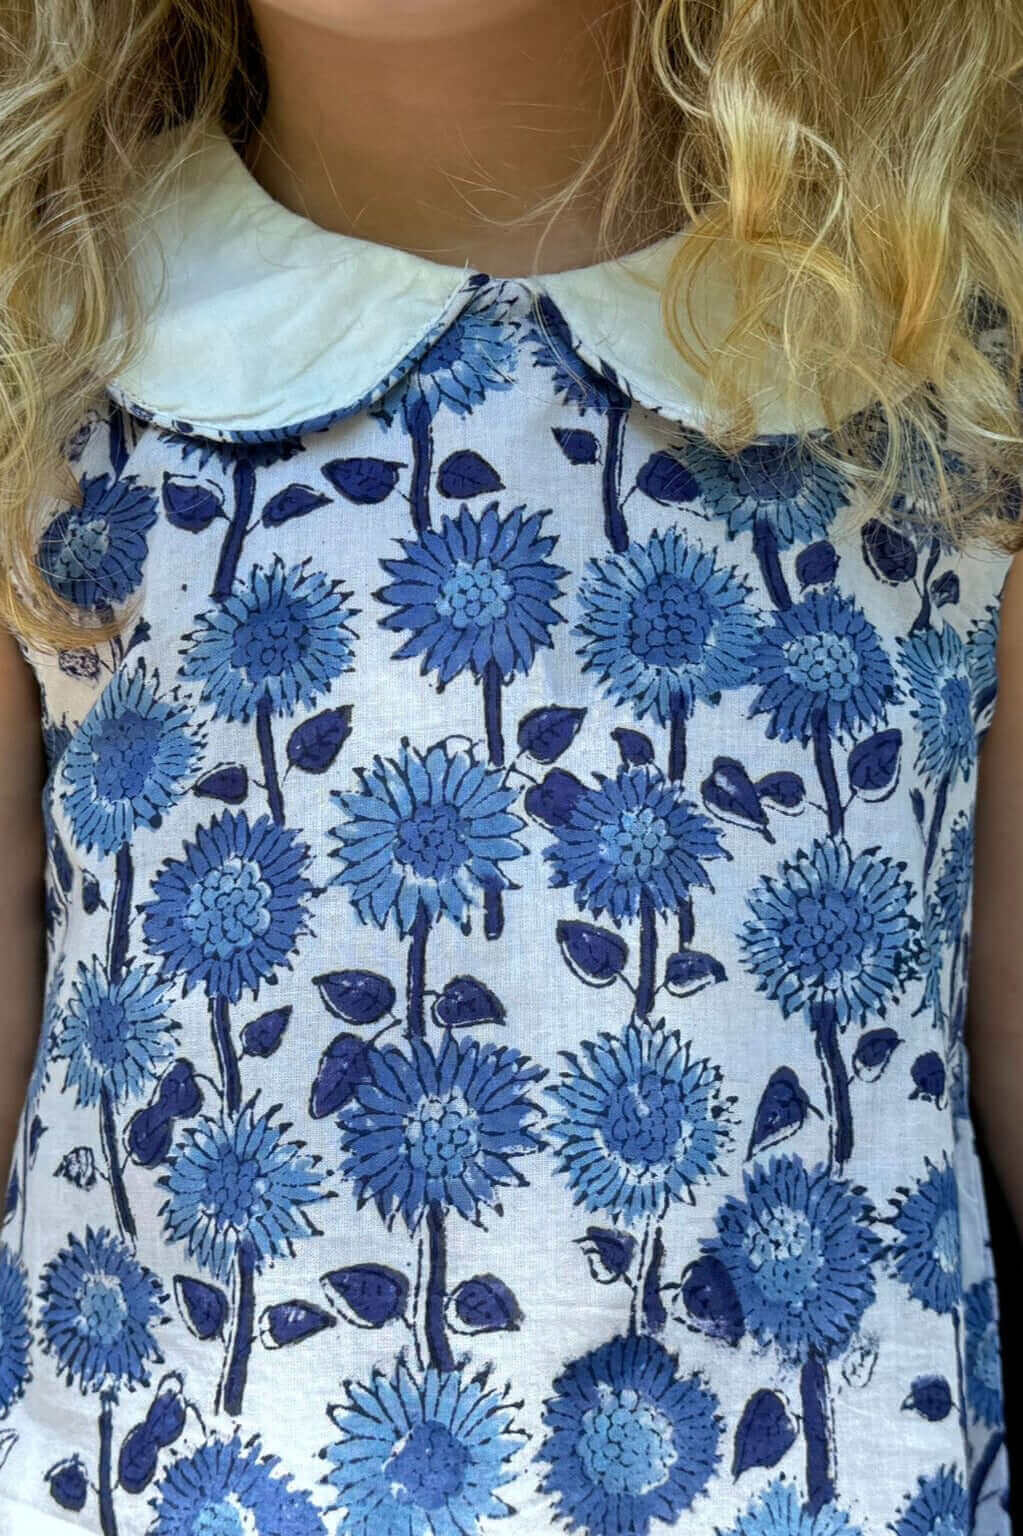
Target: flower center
[784,1254]
[669,623]
[228,907]
[987,1360]
[441,1136]
[125,752]
[428,1468]
[955,710]
[769,476]
[824,664]
[270,641]
[946,1242]
[826,938]
[110,1032]
[225,1518]
[234,1189]
[627,1446]
[431,842]
[103,1311]
[645,1125]
[86,548]
[636,843]
[474,593]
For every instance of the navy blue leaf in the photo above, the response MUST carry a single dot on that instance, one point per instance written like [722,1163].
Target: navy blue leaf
[784,791]
[764,1434]
[229,783]
[368,1295]
[710,1299]
[917,801]
[690,971]
[781,1111]
[728,792]
[313,745]
[945,590]
[35,1131]
[483,1304]
[343,1066]
[364,481]
[203,1306]
[68,1484]
[262,1036]
[12,1195]
[466,1001]
[358,997]
[930,1397]
[635,748]
[292,501]
[179,1093]
[289,1322]
[596,955]
[90,893]
[136,1462]
[608,1253]
[874,765]
[149,1137]
[166,1417]
[816,565]
[665,479]
[890,554]
[78,1166]
[578,445]
[928,1074]
[873,1053]
[552,801]
[465,474]
[548,732]
[189,504]
[61,863]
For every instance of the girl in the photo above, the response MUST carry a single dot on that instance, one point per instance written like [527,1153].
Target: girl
[503,754]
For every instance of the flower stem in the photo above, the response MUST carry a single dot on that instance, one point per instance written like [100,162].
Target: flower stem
[115,1168]
[120,914]
[825,764]
[264,736]
[420,430]
[820,1450]
[940,802]
[437,1344]
[615,528]
[107,1518]
[923,618]
[415,985]
[836,1083]
[677,741]
[960,1372]
[647,956]
[493,902]
[242,1324]
[981,1470]
[227,1058]
[230,551]
[765,547]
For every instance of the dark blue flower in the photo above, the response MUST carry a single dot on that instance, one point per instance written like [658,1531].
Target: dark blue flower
[100,1306]
[664,624]
[983,1354]
[939,1507]
[778,1512]
[982,661]
[955,880]
[279,639]
[479,590]
[93,555]
[832,928]
[639,1123]
[227,1489]
[474,357]
[235,1180]
[574,380]
[822,660]
[445,1126]
[633,839]
[15,1333]
[426,830]
[629,1440]
[937,675]
[927,1255]
[800,1255]
[421,1454]
[128,762]
[777,483]
[114,1034]
[230,912]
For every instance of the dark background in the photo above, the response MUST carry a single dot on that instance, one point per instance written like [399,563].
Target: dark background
[1008,1258]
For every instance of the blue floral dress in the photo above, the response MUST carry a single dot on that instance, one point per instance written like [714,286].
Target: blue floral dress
[508,901]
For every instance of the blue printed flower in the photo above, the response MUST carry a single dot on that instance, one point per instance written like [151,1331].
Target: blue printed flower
[227,1489]
[421,1454]
[230,912]
[955,880]
[939,1507]
[639,1123]
[478,591]
[277,640]
[15,1332]
[115,1035]
[776,483]
[633,840]
[93,555]
[426,831]
[128,762]
[629,1439]
[474,357]
[937,675]
[832,928]
[778,1512]
[927,1255]
[982,662]
[445,1126]
[235,1180]
[984,1355]
[821,663]
[800,1255]
[100,1307]
[664,624]
[574,380]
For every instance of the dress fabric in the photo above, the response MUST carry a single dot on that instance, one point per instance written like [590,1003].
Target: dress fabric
[507,909]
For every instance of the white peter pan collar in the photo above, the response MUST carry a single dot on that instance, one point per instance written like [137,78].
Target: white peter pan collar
[262,321]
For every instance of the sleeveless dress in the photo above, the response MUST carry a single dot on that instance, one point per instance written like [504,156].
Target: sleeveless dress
[508,909]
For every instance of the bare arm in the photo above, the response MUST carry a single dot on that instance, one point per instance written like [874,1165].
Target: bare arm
[22,852]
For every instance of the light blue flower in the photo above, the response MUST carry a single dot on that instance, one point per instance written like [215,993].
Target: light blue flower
[927,1255]
[822,662]
[477,591]
[476,356]
[638,1122]
[100,1307]
[129,761]
[983,1355]
[15,1330]
[227,1489]
[421,1454]
[800,1254]
[778,1512]
[939,1507]
[229,913]
[935,664]
[278,639]
[426,831]
[663,624]
[832,928]
[629,1440]
[114,1035]
[634,839]
[982,661]
[955,880]
[235,1180]
[93,555]
[777,483]
[446,1126]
